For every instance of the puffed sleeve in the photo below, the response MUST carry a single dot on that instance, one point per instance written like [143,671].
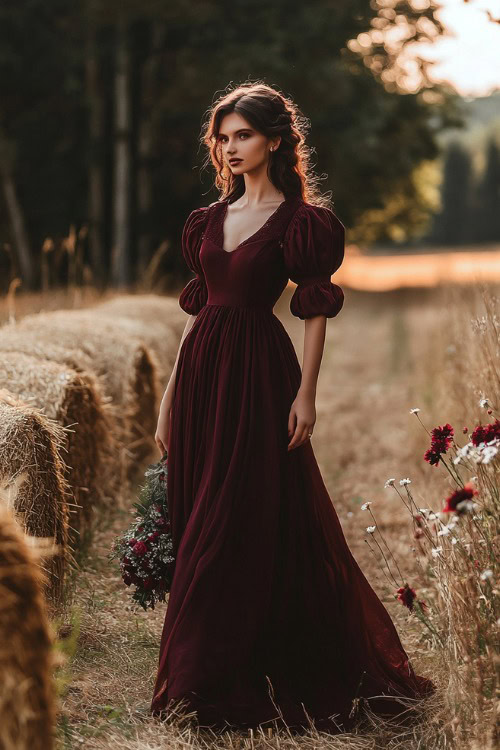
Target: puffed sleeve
[194,295]
[313,250]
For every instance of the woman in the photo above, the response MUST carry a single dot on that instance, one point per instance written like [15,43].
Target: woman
[269,616]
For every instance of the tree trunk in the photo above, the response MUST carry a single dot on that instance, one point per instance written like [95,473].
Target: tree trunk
[120,260]
[149,91]
[22,250]
[96,166]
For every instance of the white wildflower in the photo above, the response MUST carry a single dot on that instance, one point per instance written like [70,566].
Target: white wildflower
[402,482]
[414,411]
[486,574]
[365,506]
[454,540]
[370,529]
[484,403]
[465,505]
[465,452]
[442,532]
[487,453]
[436,550]
[390,482]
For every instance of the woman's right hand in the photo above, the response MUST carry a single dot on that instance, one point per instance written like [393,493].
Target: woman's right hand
[162,428]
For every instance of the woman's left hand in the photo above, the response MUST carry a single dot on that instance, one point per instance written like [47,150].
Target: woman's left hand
[301,420]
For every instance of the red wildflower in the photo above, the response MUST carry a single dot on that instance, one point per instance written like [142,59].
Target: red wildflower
[466,493]
[441,438]
[432,457]
[485,433]
[140,549]
[407,596]
[465,430]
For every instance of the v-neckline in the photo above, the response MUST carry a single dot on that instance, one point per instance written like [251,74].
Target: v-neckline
[253,237]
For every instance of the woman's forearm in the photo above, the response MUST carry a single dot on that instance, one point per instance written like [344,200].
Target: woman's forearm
[314,342]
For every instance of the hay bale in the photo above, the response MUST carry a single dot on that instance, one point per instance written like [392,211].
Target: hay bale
[70,399]
[111,470]
[35,345]
[122,363]
[27,696]
[156,320]
[32,481]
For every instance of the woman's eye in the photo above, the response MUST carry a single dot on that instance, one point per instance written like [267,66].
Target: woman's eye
[245,134]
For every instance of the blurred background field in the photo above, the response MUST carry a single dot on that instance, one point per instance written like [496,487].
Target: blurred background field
[101,106]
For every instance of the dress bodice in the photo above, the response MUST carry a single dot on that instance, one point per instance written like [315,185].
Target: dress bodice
[298,241]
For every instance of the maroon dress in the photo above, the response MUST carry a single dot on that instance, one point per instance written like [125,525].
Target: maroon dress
[268,608]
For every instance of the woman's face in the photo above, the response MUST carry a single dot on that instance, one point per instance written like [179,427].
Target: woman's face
[239,140]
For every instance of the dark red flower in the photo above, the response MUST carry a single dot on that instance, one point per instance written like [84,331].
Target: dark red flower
[140,549]
[148,583]
[161,523]
[407,596]
[441,438]
[153,536]
[465,493]
[485,433]
[442,433]
[432,457]
[465,430]
[132,542]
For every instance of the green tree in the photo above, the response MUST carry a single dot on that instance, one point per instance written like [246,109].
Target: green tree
[453,222]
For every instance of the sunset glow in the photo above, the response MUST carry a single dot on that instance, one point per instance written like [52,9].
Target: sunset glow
[469,55]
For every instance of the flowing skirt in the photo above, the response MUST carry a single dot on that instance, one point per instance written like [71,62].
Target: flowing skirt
[269,614]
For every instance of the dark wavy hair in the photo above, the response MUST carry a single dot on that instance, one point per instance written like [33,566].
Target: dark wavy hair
[272,114]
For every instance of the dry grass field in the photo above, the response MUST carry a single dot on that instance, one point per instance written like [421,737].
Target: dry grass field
[436,350]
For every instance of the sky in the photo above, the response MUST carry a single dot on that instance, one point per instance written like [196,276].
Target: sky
[469,58]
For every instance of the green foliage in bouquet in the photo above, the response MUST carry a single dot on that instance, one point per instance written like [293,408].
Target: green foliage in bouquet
[145,549]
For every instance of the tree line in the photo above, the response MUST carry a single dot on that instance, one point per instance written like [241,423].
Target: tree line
[102,102]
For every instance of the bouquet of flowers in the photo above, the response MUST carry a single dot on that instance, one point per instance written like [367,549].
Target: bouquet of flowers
[145,549]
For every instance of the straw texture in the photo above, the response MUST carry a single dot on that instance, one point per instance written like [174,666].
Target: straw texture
[32,480]
[27,699]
